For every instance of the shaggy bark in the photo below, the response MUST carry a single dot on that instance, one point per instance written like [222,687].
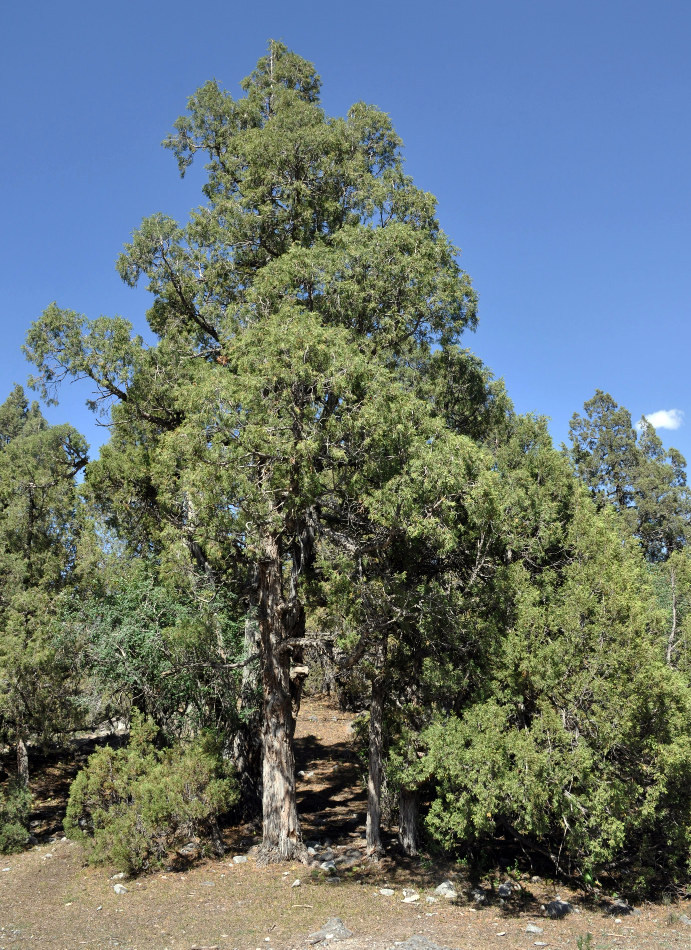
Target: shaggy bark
[22,763]
[247,744]
[376,767]
[408,821]
[281,623]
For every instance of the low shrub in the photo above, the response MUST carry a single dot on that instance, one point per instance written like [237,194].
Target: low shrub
[132,807]
[15,805]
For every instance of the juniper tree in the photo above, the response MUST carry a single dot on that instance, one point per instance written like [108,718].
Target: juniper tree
[291,311]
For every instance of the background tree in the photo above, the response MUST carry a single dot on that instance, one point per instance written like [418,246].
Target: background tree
[38,533]
[632,471]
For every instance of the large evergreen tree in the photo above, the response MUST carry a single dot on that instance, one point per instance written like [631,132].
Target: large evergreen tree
[293,314]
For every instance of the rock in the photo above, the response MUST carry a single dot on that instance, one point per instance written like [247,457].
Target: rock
[119,888]
[333,879]
[296,882]
[533,929]
[328,866]
[189,849]
[479,895]
[239,859]
[620,907]
[119,877]
[505,890]
[327,855]
[446,889]
[685,919]
[431,900]
[333,929]
[410,896]
[536,879]
[557,909]
[387,891]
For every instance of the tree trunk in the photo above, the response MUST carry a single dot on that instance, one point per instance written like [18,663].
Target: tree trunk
[247,744]
[407,822]
[376,766]
[280,620]
[22,763]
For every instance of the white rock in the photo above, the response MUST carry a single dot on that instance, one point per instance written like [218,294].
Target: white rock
[446,889]
[120,889]
[239,859]
[296,882]
[386,891]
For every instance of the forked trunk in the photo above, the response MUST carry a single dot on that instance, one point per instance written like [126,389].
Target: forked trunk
[408,821]
[281,621]
[376,767]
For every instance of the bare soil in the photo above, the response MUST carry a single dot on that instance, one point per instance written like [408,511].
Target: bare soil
[50,899]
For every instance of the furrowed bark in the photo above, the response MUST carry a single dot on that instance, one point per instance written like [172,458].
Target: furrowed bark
[408,821]
[376,767]
[22,763]
[279,620]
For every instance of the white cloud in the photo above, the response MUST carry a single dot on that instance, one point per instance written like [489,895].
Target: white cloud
[666,418]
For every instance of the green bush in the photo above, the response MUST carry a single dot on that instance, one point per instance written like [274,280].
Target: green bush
[15,805]
[132,807]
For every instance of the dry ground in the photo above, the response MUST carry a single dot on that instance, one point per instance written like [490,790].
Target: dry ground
[50,900]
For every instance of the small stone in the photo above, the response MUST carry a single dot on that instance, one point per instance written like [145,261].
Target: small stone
[536,879]
[557,909]
[239,859]
[539,943]
[431,900]
[620,907]
[685,919]
[617,920]
[502,933]
[333,929]
[387,891]
[533,929]
[296,882]
[328,866]
[446,889]
[410,897]
[505,890]
[478,895]
[120,889]
[311,851]
[49,855]
[327,855]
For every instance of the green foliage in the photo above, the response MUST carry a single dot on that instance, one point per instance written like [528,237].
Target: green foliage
[170,653]
[633,472]
[582,745]
[131,807]
[15,806]
[38,530]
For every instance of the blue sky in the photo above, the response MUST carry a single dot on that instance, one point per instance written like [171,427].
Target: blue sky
[555,135]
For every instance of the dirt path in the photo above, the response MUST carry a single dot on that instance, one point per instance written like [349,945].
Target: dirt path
[48,899]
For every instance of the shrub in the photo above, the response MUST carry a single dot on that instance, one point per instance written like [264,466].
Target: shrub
[15,805]
[131,807]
